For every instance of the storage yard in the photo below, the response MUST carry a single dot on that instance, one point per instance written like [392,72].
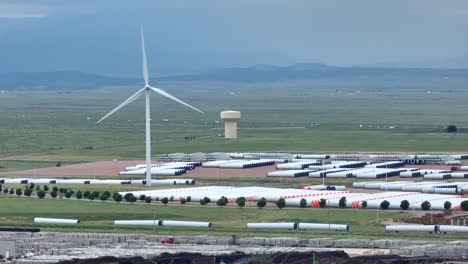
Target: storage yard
[316,188]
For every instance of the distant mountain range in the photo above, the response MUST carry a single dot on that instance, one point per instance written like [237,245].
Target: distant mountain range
[320,73]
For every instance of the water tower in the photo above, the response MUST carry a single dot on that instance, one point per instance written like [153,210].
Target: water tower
[230,119]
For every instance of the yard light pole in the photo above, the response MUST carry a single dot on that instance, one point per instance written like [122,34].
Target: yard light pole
[326,201]
[386,178]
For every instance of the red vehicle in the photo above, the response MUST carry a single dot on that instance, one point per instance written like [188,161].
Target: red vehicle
[168,240]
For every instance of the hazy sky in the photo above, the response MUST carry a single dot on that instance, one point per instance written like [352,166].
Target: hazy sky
[192,36]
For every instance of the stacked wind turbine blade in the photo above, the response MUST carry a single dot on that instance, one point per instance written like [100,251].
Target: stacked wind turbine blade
[166,94]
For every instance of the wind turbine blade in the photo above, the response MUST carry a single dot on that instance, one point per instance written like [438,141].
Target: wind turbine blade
[143,55]
[126,102]
[166,94]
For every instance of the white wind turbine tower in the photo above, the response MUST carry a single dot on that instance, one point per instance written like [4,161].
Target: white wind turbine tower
[147,90]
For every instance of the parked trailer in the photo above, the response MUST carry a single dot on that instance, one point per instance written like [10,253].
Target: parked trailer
[464,168]
[138,222]
[290,226]
[55,220]
[411,228]
[186,223]
[313,226]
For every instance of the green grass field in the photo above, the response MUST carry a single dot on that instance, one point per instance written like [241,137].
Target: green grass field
[53,126]
[97,216]
[43,127]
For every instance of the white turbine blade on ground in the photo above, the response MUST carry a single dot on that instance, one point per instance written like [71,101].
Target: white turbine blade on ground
[126,102]
[143,54]
[164,93]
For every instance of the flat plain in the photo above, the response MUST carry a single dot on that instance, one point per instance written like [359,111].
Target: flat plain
[44,127]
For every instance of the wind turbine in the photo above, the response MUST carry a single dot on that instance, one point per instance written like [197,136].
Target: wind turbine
[146,90]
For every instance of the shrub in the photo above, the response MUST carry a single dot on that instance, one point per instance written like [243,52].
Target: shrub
[171,198]
[384,204]
[164,200]
[127,196]
[426,206]
[183,201]
[261,203]
[447,205]
[148,199]
[45,188]
[62,190]
[68,195]
[55,189]
[464,205]
[364,204]
[189,199]
[240,201]
[38,188]
[281,203]
[27,192]
[12,191]
[95,194]
[79,195]
[323,203]
[142,197]
[451,129]
[222,201]
[5,190]
[41,194]
[132,199]
[104,197]
[207,200]
[107,193]
[202,202]
[31,186]
[117,198]
[86,194]
[342,202]
[404,205]
[303,203]
[53,194]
